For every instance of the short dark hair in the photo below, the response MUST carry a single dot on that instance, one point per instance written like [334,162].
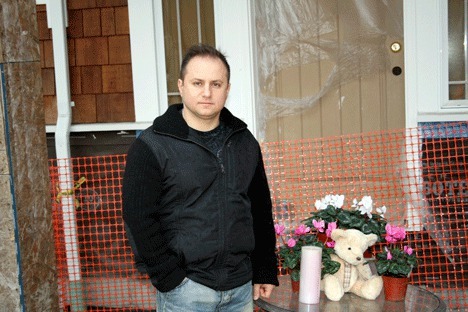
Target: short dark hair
[203,50]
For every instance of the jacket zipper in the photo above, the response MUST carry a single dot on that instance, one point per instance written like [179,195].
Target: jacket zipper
[221,247]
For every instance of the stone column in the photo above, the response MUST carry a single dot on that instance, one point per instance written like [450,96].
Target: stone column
[28,278]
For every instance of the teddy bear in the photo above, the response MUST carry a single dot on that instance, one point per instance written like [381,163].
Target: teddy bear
[355,275]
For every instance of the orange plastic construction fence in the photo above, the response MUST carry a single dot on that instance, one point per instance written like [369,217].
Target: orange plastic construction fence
[419,174]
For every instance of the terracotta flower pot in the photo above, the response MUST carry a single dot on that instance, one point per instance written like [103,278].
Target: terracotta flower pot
[322,237]
[395,288]
[295,286]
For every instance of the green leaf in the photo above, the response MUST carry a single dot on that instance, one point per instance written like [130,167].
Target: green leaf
[295,275]
[367,228]
[343,218]
[382,267]
[358,223]
[291,262]
[332,211]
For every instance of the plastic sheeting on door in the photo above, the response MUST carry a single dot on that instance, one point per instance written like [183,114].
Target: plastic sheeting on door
[352,34]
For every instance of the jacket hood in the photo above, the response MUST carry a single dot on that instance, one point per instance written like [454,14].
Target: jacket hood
[172,122]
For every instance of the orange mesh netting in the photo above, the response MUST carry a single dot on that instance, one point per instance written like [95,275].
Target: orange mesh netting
[419,174]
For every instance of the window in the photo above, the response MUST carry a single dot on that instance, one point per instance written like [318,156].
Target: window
[457,28]
[185,23]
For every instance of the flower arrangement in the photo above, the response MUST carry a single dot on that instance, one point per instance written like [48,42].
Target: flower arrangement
[396,259]
[330,215]
[290,251]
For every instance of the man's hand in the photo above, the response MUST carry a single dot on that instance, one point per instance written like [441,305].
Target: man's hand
[262,290]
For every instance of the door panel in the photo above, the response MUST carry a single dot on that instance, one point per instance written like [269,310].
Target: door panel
[332,69]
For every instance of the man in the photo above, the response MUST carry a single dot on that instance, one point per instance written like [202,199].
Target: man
[196,198]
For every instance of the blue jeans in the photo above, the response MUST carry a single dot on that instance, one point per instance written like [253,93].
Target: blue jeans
[193,297]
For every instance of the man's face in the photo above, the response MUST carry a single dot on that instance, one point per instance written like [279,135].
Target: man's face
[204,90]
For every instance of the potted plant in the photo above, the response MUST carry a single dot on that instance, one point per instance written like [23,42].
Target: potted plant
[290,252]
[395,263]
[329,215]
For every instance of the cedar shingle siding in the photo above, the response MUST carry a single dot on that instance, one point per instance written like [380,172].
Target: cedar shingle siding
[99,58]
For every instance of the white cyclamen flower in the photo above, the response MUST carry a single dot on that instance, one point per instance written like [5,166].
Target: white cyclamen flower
[365,206]
[382,210]
[320,204]
[366,201]
[333,200]
[338,200]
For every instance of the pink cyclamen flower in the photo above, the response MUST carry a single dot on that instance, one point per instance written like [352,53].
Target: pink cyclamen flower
[389,238]
[408,250]
[291,242]
[331,228]
[319,225]
[302,229]
[394,233]
[389,255]
[279,229]
[330,244]
[400,233]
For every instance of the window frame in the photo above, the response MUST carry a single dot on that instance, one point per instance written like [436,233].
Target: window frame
[446,103]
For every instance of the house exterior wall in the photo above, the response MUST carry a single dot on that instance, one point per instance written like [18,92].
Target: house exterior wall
[100,69]
[25,211]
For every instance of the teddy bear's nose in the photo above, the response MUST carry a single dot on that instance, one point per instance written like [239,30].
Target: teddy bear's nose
[358,258]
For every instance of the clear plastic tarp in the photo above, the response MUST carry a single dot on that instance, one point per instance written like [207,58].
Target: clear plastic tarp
[352,34]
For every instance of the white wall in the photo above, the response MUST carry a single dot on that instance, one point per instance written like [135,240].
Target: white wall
[234,31]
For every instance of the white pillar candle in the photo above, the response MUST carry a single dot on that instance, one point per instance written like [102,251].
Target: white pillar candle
[304,307]
[311,267]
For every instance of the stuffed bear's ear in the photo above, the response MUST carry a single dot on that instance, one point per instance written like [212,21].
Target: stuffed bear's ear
[371,239]
[337,233]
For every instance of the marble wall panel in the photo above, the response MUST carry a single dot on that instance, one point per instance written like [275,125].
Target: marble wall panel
[26,129]
[28,264]
[4,165]
[9,282]
[19,38]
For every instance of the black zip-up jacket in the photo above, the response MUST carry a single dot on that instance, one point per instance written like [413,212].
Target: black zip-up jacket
[196,214]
